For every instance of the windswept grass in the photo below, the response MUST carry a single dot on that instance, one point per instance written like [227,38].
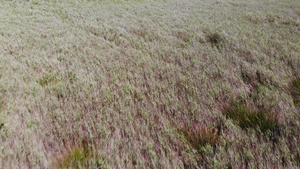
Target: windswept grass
[215,39]
[121,74]
[48,79]
[74,158]
[200,136]
[295,92]
[247,117]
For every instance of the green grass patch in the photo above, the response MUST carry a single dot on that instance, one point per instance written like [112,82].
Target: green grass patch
[248,117]
[295,92]
[73,158]
[97,70]
[48,79]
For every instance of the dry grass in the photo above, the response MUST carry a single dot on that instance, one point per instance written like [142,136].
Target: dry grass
[99,84]
[200,137]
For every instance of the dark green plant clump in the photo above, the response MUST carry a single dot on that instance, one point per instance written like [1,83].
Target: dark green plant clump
[247,117]
[215,39]
[295,92]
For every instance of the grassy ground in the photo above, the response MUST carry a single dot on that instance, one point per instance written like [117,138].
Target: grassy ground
[149,84]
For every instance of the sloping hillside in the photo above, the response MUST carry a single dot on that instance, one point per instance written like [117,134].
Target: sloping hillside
[150,84]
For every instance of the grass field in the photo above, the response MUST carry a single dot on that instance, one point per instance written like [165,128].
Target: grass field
[150,84]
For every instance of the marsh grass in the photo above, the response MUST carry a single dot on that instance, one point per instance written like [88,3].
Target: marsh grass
[2,105]
[295,92]
[251,118]
[119,71]
[200,136]
[77,153]
[185,37]
[288,21]
[48,79]
[215,39]
[249,77]
[254,19]
[73,158]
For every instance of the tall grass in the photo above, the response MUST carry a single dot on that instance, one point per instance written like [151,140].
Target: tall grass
[118,75]
[295,92]
[247,117]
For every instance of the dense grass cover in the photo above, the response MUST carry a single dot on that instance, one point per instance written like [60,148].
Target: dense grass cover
[248,118]
[295,91]
[149,84]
